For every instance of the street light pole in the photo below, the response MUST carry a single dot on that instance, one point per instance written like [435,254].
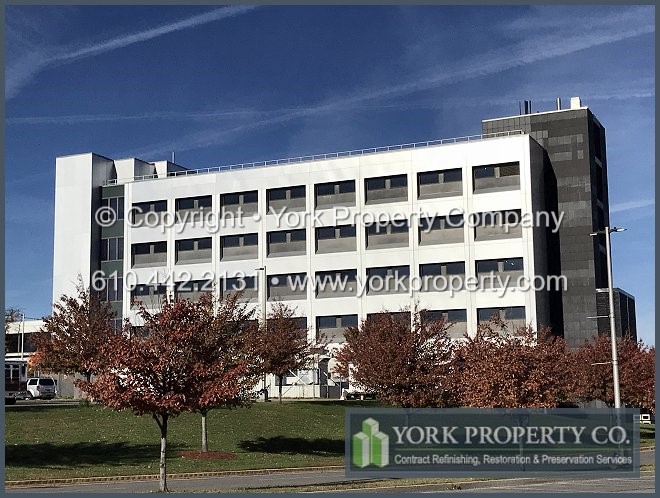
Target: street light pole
[610,289]
[263,293]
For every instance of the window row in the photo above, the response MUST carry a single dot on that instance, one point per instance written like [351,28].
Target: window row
[393,188]
[447,230]
[433,277]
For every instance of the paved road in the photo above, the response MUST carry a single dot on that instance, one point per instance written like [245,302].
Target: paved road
[199,484]
[645,484]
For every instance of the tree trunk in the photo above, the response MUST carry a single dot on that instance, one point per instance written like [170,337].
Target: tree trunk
[205,439]
[163,447]
[88,378]
[281,377]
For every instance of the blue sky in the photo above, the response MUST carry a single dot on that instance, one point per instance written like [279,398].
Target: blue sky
[221,85]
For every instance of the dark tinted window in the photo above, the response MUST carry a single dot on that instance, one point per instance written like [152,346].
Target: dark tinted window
[455,268]
[325,189]
[297,192]
[347,186]
[484,171]
[513,264]
[325,233]
[277,237]
[348,231]
[250,197]
[251,239]
[204,243]
[297,235]
[231,241]
[452,175]
[487,266]
[375,183]
[399,181]
[428,178]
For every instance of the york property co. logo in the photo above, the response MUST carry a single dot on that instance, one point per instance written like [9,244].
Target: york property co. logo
[370,446]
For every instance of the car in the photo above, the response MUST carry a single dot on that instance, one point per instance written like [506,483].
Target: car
[44,388]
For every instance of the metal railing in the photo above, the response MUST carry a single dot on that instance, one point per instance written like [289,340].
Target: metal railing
[320,157]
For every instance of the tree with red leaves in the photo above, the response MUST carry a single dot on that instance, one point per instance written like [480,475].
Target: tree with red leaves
[226,351]
[72,337]
[284,346]
[497,368]
[165,370]
[636,372]
[404,365]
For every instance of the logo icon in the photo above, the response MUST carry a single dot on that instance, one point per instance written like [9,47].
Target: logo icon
[370,445]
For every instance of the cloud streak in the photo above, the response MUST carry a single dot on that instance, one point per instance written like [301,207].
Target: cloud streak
[631,205]
[605,30]
[22,69]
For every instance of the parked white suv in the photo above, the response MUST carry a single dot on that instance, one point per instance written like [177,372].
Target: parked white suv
[41,388]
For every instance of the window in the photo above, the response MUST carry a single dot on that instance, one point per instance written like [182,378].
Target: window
[113,289]
[204,243]
[203,202]
[277,237]
[484,172]
[457,268]
[399,226]
[230,199]
[193,250]
[454,221]
[186,245]
[237,284]
[347,187]
[431,269]
[294,195]
[327,322]
[452,176]
[509,169]
[485,314]
[112,249]
[514,313]
[347,231]
[234,200]
[428,178]
[375,183]
[277,194]
[250,239]
[116,204]
[231,241]
[325,233]
[513,264]
[250,197]
[457,315]
[149,253]
[399,181]
[325,189]
[287,243]
[493,177]
[349,320]
[487,266]
[154,206]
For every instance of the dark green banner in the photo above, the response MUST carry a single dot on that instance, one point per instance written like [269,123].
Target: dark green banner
[471,442]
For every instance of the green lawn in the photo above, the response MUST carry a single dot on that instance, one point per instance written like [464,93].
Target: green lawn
[77,441]
[83,441]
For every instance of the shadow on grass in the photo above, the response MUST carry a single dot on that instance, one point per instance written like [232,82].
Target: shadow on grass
[295,446]
[42,407]
[647,432]
[78,455]
[347,404]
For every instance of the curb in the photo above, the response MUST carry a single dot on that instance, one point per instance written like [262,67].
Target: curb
[185,475]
